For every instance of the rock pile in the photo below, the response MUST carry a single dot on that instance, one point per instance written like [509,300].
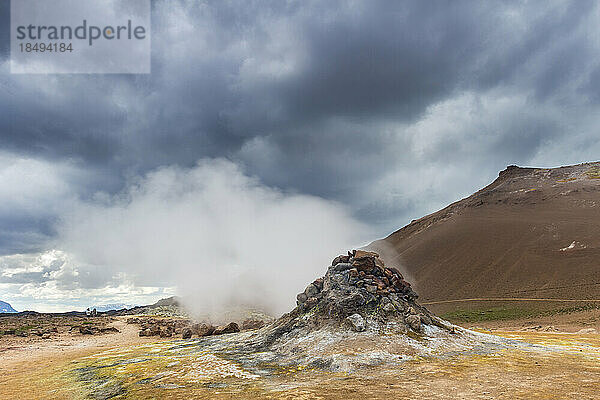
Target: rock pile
[364,270]
[92,329]
[205,329]
[44,333]
[150,326]
[360,293]
[249,324]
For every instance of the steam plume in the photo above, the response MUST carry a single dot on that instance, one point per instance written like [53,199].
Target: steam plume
[219,236]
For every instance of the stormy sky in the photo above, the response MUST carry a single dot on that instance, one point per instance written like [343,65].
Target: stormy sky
[354,116]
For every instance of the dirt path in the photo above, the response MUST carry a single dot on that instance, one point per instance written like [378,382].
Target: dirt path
[509,299]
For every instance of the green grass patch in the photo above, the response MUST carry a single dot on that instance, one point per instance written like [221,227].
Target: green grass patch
[491,314]
[510,313]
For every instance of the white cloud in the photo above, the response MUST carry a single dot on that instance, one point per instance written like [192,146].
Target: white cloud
[34,186]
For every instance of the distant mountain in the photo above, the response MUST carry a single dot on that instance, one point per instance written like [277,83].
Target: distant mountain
[6,308]
[110,307]
[169,301]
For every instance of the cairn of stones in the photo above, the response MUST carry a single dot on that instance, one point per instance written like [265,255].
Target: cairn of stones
[360,292]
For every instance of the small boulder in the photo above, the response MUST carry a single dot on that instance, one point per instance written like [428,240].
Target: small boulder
[165,334]
[371,288]
[86,330]
[340,267]
[340,259]
[187,333]
[426,320]
[144,332]
[399,306]
[348,304]
[365,254]
[356,322]
[389,308]
[318,283]
[310,303]
[232,327]
[396,272]
[204,330]
[363,264]
[301,297]
[155,330]
[414,321]
[252,324]
[311,291]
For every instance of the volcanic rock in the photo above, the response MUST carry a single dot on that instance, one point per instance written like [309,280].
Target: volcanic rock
[232,327]
[301,298]
[358,292]
[144,332]
[311,291]
[86,330]
[389,307]
[362,254]
[203,329]
[371,288]
[340,259]
[155,330]
[252,324]
[165,333]
[357,322]
[414,321]
[187,333]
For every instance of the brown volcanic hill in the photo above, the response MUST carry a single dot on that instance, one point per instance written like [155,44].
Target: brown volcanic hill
[532,233]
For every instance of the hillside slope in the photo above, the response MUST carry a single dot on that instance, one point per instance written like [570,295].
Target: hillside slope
[532,233]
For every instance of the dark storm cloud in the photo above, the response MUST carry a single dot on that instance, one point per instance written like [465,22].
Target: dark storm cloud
[4,29]
[20,233]
[326,98]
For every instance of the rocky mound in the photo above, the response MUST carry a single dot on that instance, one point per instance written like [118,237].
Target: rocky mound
[360,313]
[170,327]
[358,293]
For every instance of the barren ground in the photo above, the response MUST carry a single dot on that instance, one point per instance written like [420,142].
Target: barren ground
[565,366]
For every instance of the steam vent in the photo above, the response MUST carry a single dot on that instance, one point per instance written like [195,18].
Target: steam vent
[359,293]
